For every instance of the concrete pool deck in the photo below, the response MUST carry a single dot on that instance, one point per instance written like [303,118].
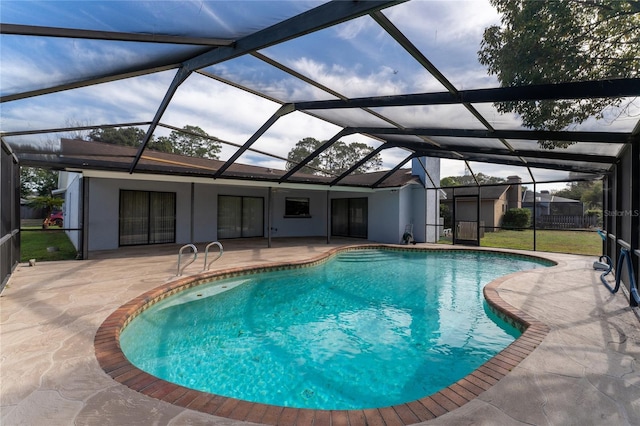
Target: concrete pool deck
[585,371]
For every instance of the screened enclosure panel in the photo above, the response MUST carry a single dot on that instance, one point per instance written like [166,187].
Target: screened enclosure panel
[351,69]
[352,117]
[234,64]
[471,143]
[449,36]
[436,116]
[591,148]
[105,103]
[255,74]
[63,61]
[213,19]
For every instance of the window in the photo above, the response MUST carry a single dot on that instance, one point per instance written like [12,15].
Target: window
[296,207]
[147,217]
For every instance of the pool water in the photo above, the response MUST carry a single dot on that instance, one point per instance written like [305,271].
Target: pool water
[367,328]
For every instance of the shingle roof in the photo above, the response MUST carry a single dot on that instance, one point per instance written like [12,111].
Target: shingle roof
[545,197]
[89,155]
[486,192]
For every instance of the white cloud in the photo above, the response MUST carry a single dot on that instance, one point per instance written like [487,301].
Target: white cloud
[352,82]
[350,30]
[444,22]
[356,59]
[449,34]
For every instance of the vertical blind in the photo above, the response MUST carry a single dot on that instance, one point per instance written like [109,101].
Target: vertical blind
[147,217]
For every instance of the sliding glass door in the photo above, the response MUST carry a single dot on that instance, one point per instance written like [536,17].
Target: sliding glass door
[349,217]
[147,217]
[240,217]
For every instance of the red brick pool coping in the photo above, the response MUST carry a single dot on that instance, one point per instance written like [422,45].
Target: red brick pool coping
[115,364]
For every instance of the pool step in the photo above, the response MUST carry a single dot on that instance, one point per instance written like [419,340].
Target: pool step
[364,256]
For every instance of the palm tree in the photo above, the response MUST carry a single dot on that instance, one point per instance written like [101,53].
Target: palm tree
[48,203]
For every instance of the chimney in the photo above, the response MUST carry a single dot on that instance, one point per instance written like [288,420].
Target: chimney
[423,166]
[514,193]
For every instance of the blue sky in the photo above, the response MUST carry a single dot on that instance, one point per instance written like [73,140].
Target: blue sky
[357,58]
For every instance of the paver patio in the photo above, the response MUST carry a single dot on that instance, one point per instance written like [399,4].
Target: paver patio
[585,371]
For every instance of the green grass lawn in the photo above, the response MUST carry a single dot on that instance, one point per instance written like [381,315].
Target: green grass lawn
[574,242]
[34,242]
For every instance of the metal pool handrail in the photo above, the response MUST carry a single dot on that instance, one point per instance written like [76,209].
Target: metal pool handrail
[206,253]
[195,256]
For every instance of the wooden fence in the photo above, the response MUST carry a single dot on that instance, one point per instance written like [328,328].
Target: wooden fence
[555,221]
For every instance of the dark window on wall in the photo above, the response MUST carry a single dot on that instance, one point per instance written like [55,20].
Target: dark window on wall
[147,217]
[296,207]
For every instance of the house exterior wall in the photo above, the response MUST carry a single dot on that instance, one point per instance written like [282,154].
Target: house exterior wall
[500,207]
[104,201]
[389,210]
[72,207]
[205,209]
[419,214]
[199,224]
[490,211]
[313,226]
[205,213]
[384,217]
[466,209]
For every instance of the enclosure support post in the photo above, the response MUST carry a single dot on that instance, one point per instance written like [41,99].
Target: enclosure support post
[269,196]
[85,217]
[454,228]
[606,206]
[193,201]
[478,200]
[618,206]
[634,193]
[534,216]
[328,218]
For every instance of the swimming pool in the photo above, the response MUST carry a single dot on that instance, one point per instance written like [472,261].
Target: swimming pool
[383,344]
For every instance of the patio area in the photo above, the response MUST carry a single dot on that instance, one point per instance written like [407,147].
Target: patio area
[584,372]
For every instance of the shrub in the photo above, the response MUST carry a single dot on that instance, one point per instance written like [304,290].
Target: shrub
[516,219]
[594,212]
[597,213]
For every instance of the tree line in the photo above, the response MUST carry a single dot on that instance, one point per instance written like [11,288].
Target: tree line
[195,142]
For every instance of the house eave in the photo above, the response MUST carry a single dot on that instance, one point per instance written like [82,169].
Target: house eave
[103,174]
